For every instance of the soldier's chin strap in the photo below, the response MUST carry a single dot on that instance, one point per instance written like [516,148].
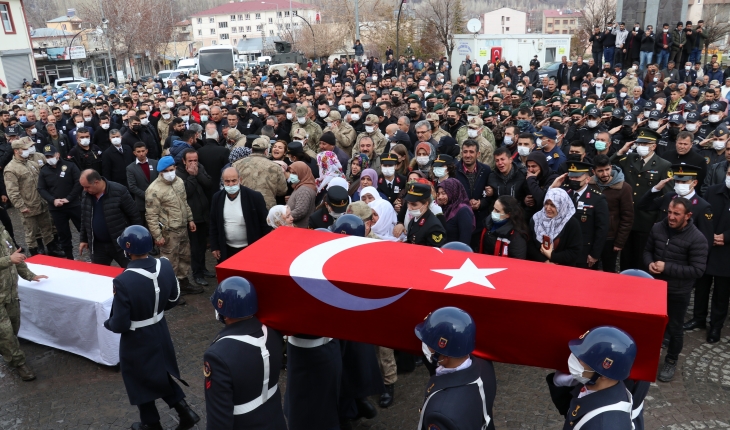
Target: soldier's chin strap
[593,379]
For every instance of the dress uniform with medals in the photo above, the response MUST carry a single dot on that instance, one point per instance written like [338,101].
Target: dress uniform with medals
[642,173]
[390,187]
[460,395]
[700,208]
[591,209]
[426,229]
[244,354]
[336,201]
[142,293]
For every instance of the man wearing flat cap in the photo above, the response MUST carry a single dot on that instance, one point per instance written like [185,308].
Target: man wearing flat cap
[303,121]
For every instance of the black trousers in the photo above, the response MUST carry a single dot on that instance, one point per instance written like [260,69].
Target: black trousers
[198,243]
[632,253]
[720,298]
[676,308]
[231,251]
[702,297]
[106,252]
[148,411]
[608,257]
[60,218]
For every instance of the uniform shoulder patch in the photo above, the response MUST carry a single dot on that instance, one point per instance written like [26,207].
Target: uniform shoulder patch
[708,216]
[437,237]
[556,155]
[433,427]
[206,369]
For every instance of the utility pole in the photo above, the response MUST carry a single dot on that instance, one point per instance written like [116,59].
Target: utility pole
[357,19]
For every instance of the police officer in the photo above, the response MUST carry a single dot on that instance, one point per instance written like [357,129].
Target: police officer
[424,228]
[243,354]
[59,185]
[335,204]
[142,293]
[588,133]
[685,182]
[714,152]
[643,169]
[391,183]
[591,209]
[714,119]
[668,141]
[461,393]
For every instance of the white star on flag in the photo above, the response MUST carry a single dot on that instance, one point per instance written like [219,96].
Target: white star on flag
[468,272]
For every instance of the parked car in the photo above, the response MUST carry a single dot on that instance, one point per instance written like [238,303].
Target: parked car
[66,81]
[167,74]
[550,70]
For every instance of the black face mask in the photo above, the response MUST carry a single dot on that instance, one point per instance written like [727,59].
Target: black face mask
[673,131]
[137,128]
[554,124]
[615,122]
[539,114]
[412,113]
[573,157]
[451,121]
[575,185]
[626,131]
[430,105]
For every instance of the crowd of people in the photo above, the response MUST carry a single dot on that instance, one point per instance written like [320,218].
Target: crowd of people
[615,165]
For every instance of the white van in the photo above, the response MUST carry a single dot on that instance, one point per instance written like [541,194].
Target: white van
[188,63]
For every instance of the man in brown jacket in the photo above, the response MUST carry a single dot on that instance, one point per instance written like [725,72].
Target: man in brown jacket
[610,180]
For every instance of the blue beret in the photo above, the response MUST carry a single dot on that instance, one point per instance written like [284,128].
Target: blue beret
[164,163]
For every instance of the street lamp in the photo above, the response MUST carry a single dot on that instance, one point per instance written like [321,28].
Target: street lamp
[314,42]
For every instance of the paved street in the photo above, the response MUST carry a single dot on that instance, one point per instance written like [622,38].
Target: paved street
[72,392]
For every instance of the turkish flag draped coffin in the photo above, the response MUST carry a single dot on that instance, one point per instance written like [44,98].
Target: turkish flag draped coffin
[376,292]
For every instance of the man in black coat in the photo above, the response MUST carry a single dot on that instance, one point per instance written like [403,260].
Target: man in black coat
[474,175]
[140,174]
[142,294]
[224,243]
[138,133]
[213,157]
[115,159]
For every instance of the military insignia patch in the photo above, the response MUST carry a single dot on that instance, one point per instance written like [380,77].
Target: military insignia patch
[423,221]
[607,363]
[128,245]
[220,303]
[443,342]
[63,168]
[437,237]
[708,216]
[556,155]
[670,174]
[206,370]
[707,160]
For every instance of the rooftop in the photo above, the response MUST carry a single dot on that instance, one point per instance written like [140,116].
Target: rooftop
[252,6]
[49,32]
[182,23]
[64,18]
[560,13]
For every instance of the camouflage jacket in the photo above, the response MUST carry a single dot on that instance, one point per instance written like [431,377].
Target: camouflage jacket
[263,175]
[8,271]
[463,134]
[166,203]
[21,181]
[379,143]
[314,132]
[345,136]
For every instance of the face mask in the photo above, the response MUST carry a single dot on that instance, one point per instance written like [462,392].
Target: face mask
[727,181]
[422,160]
[584,89]
[301,120]
[136,128]
[643,151]
[293,178]
[508,140]
[52,161]
[600,145]
[659,107]
[235,102]
[51,104]
[65,107]
[99,111]
[232,189]
[117,141]
[33,130]
[575,185]
[185,118]
[169,176]
[203,118]
[369,129]
[322,113]
[87,118]
[718,145]
[524,151]
[254,113]
[623,95]
[682,189]
[85,141]
[355,117]
[691,127]
[144,121]
[577,369]
[592,123]
[472,133]
[496,217]
[289,116]
[666,30]
[521,88]
[170,104]
[673,131]
[388,171]
[451,121]
[79,124]
[562,92]
[653,125]
[599,85]
[422,88]
[105,126]
[439,172]
[538,142]
[415,213]
[25,153]
[687,67]
[713,118]
[122,111]
[427,353]
[366,105]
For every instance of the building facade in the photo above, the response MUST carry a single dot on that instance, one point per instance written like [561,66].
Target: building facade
[557,21]
[16,52]
[504,21]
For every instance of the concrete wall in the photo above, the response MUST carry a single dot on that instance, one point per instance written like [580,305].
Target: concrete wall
[505,21]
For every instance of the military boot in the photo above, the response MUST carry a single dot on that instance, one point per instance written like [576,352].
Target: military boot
[69,252]
[188,417]
[187,288]
[41,248]
[26,373]
[142,426]
[54,249]
[33,251]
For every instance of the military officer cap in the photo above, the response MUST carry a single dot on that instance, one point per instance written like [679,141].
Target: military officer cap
[578,168]
[676,118]
[576,112]
[610,96]
[371,120]
[575,101]
[443,160]
[12,130]
[594,112]
[655,115]
[22,143]
[685,172]
[718,106]
[428,97]
[472,110]
[389,159]
[465,107]
[629,119]
[242,104]
[302,111]
[556,99]
[693,117]
[488,113]
[721,130]
[49,150]
[414,97]
[607,109]
[647,135]
[454,105]
[548,132]
[334,115]
[475,122]
[260,143]
[618,113]
[418,192]
[397,90]
[691,107]
[438,106]
[540,103]
[556,113]
[432,116]
[295,147]
[337,198]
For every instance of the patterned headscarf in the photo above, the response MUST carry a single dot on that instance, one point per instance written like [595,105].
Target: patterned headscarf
[238,153]
[457,199]
[329,168]
[551,227]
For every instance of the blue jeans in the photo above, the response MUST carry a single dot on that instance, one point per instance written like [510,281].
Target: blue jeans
[644,60]
[694,56]
[608,55]
[663,59]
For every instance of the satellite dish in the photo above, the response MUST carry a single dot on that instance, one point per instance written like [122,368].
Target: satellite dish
[474,25]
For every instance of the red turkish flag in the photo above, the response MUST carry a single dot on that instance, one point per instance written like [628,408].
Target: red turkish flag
[377,291]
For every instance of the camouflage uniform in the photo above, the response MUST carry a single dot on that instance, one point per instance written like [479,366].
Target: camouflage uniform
[486,148]
[439,133]
[263,175]
[9,302]
[21,182]
[379,141]
[166,203]
[314,131]
[163,126]
[463,133]
[344,133]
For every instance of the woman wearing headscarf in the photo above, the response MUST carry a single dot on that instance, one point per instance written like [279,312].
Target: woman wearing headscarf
[357,164]
[454,201]
[369,194]
[329,168]
[555,236]
[368,178]
[235,155]
[539,179]
[403,159]
[505,230]
[280,216]
[301,200]
[384,220]
[423,159]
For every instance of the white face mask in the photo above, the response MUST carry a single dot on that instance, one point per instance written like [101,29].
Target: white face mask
[705,108]
[508,140]
[289,116]
[322,113]
[117,141]
[426,352]
[185,118]
[99,111]
[653,125]
[52,161]
[524,151]
[165,116]
[33,130]
[422,160]
[245,98]
[369,129]
[301,120]
[235,102]
[659,107]
[682,189]
[415,213]
[713,118]
[87,118]
[577,369]
[65,107]
[144,121]
[170,104]
[666,30]
[439,172]
[25,153]
[105,126]
[169,176]
[79,124]
[687,67]
[85,141]
[51,104]
[592,123]
[472,133]
[538,143]
[642,150]
[366,105]
[422,88]
[355,116]
[718,145]
[691,127]
[388,171]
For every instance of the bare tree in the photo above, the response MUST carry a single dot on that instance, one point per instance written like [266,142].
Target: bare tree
[40,11]
[327,40]
[596,13]
[717,25]
[445,18]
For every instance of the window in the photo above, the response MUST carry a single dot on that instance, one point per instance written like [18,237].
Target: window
[506,29]
[507,19]
[271,20]
[224,36]
[258,16]
[233,29]
[572,21]
[211,20]
[271,32]
[200,20]
[286,13]
[223,24]
[200,32]
[233,18]
[550,24]
[248,29]
[287,26]
[565,21]
[295,13]
[212,31]
[259,27]
[248,16]
[565,31]
[213,42]
[240,17]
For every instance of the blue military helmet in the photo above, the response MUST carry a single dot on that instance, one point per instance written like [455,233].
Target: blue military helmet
[608,350]
[458,246]
[636,272]
[235,297]
[135,240]
[449,331]
[350,225]
[324,229]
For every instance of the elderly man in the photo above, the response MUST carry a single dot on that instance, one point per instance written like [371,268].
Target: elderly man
[373,133]
[169,218]
[237,217]
[260,174]
[21,181]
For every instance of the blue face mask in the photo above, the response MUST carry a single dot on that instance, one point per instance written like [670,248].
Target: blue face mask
[232,189]
[293,178]
[600,146]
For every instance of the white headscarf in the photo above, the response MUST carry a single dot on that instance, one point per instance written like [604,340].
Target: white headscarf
[342,182]
[277,216]
[372,191]
[552,227]
[387,219]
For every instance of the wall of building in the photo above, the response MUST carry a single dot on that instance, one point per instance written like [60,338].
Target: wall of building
[15,43]
[505,21]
